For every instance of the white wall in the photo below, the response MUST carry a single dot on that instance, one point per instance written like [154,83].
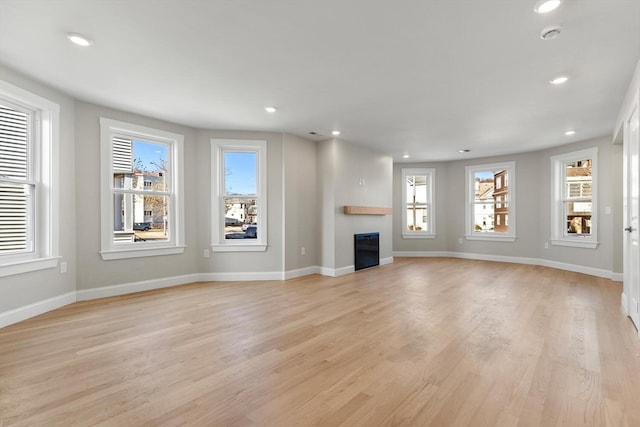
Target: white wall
[342,167]
[533,210]
[301,211]
[223,263]
[25,289]
[93,271]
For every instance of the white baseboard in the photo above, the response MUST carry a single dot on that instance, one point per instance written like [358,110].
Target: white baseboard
[129,288]
[31,310]
[385,261]
[241,277]
[617,277]
[300,272]
[23,313]
[517,260]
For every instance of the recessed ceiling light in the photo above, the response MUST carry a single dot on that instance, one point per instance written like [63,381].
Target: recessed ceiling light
[335,132]
[546,6]
[79,39]
[270,109]
[559,80]
[550,32]
[570,132]
[405,156]
[464,150]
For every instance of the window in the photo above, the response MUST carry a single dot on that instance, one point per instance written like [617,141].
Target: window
[573,204]
[418,194]
[238,200]
[490,201]
[28,181]
[142,188]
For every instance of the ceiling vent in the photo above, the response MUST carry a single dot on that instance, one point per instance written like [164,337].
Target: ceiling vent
[550,33]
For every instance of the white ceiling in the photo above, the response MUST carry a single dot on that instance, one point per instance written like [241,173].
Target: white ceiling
[424,77]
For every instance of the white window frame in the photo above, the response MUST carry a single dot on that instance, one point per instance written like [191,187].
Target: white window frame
[218,241]
[495,236]
[175,243]
[558,184]
[430,232]
[44,164]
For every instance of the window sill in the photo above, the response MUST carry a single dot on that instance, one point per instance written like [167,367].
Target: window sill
[140,252]
[238,247]
[415,235]
[26,266]
[492,238]
[575,244]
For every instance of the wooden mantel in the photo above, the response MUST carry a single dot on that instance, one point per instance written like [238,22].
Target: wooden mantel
[366,210]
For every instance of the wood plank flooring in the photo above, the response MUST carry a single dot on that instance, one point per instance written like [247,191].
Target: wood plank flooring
[421,342]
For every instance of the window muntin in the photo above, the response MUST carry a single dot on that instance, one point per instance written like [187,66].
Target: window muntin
[490,202]
[28,181]
[418,213]
[573,199]
[142,191]
[238,195]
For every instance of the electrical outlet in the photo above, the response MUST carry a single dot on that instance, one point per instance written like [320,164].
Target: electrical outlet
[205,253]
[303,251]
[546,245]
[460,240]
[63,267]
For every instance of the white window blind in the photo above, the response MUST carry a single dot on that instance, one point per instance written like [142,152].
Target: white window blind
[16,188]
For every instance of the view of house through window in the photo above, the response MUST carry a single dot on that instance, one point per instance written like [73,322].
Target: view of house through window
[240,194]
[417,207]
[491,201]
[141,179]
[577,198]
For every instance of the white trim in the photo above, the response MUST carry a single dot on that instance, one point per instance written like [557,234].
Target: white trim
[241,277]
[218,241]
[575,243]
[176,242]
[598,272]
[430,175]
[45,168]
[558,216]
[494,236]
[617,277]
[142,252]
[26,266]
[37,308]
[624,304]
[301,272]
[129,288]
[23,313]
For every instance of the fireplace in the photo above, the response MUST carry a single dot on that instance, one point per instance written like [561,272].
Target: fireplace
[366,250]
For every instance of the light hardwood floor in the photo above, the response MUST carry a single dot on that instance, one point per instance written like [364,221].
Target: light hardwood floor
[421,342]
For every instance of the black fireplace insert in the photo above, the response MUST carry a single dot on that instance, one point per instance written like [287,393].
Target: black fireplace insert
[366,250]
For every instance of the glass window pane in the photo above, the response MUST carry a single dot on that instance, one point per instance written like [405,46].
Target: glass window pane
[240,173]
[417,217]
[416,203]
[483,214]
[491,201]
[241,217]
[140,218]
[578,178]
[578,216]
